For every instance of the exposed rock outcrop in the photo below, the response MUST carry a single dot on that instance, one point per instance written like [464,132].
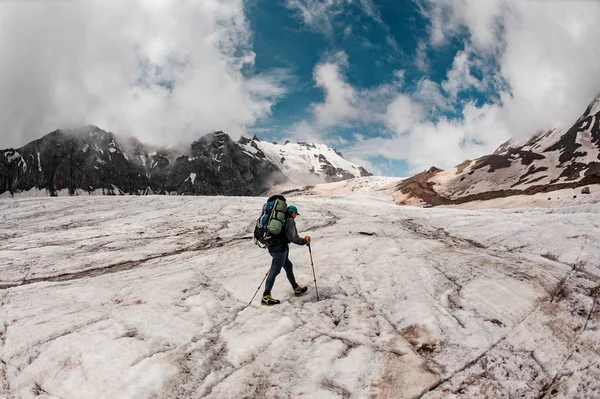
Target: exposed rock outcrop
[91,159]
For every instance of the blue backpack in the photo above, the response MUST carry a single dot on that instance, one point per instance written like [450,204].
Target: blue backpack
[271,221]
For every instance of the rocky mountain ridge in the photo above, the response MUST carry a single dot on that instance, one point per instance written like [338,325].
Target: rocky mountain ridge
[554,160]
[91,160]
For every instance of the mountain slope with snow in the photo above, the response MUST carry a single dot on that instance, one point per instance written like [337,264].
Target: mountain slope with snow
[90,160]
[121,297]
[551,161]
[301,161]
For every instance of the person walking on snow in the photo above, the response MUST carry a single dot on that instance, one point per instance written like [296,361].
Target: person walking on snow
[279,249]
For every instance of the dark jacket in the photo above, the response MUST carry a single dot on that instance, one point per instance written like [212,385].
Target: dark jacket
[289,234]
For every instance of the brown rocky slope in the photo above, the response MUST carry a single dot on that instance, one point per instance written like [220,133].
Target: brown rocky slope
[551,161]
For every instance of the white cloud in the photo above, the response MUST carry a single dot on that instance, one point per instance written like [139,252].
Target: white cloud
[338,140]
[430,95]
[304,131]
[444,143]
[549,62]
[377,170]
[542,49]
[395,148]
[345,104]
[421,60]
[483,19]
[402,113]
[399,76]
[318,14]
[459,78]
[537,55]
[163,70]
[371,10]
[341,99]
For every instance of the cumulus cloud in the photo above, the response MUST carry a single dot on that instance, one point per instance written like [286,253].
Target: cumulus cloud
[460,78]
[304,131]
[345,104]
[402,113]
[482,18]
[341,99]
[542,50]
[161,70]
[430,94]
[536,63]
[444,143]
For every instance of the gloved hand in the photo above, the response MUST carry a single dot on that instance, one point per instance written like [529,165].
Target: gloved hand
[307,238]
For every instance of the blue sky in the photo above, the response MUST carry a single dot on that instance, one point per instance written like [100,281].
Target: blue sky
[377,47]
[397,85]
[376,44]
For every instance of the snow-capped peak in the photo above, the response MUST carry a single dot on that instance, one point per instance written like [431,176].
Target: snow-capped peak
[593,108]
[299,161]
[502,148]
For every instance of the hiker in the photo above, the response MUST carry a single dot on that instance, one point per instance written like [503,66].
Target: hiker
[279,249]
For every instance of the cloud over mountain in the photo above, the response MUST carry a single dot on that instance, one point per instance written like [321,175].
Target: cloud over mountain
[164,71]
[421,82]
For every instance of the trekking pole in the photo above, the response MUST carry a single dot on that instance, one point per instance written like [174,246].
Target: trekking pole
[313,269]
[261,283]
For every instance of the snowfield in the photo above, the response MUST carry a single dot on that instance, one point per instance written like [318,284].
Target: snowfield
[147,297]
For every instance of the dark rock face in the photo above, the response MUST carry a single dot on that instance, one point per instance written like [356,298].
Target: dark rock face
[222,168]
[364,172]
[333,174]
[86,159]
[89,159]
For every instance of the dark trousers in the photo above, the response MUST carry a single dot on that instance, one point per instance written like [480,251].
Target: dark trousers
[280,259]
